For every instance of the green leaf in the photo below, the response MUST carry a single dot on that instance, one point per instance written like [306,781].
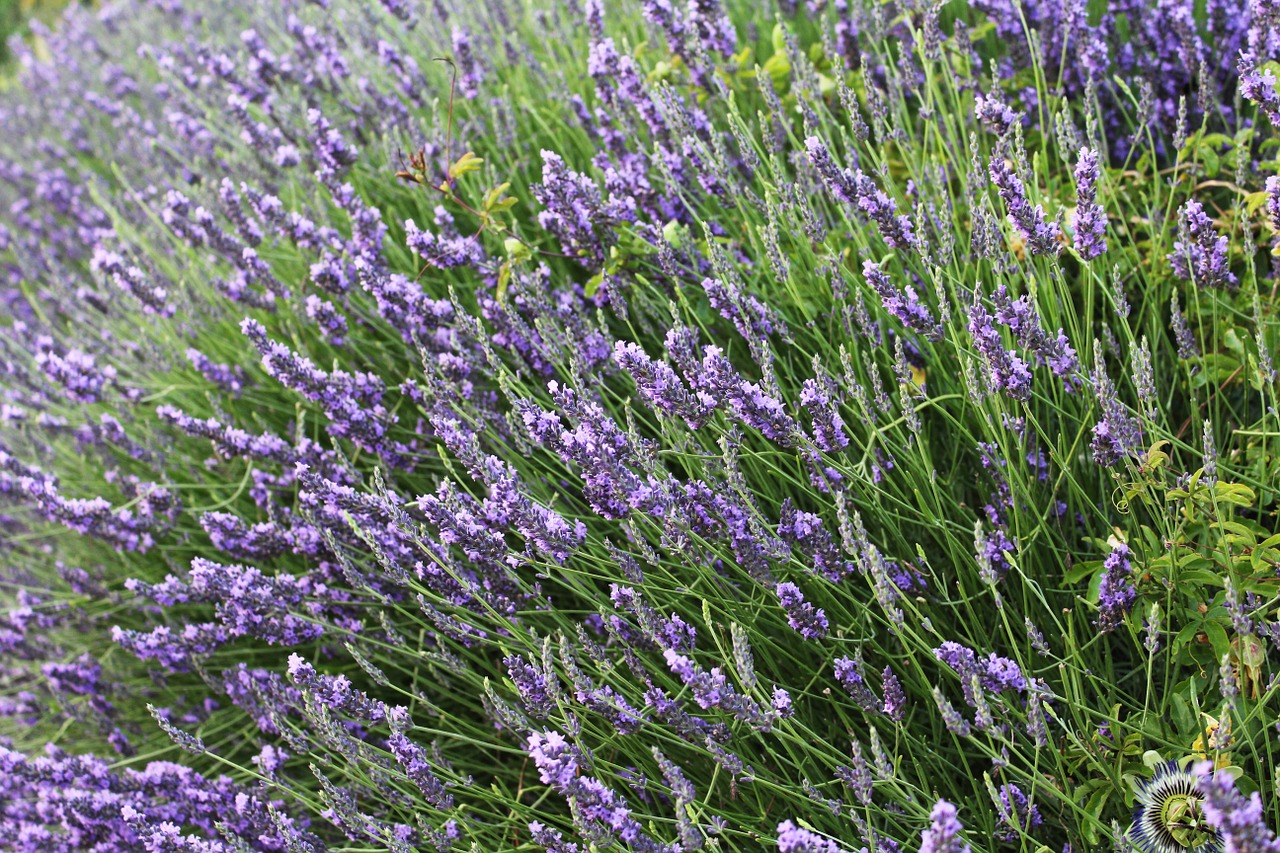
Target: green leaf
[468,162]
[1183,717]
[672,233]
[1082,570]
[1241,532]
[504,278]
[779,39]
[1218,638]
[1234,493]
[1185,636]
[1201,577]
[1212,162]
[517,251]
[1253,201]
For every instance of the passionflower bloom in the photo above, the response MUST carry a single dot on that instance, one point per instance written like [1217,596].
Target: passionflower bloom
[1169,816]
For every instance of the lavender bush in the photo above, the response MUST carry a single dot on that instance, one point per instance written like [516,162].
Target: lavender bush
[652,426]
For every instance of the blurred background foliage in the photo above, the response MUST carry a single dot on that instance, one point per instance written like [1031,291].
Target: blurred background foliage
[16,14]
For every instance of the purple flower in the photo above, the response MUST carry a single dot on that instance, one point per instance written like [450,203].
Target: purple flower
[1259,87]
[853,187]
[77,802]
[711,689]
[994,673]
[442,252]
[1200,255]
[1091,219]
[1006,371]
[943,835]
[1240,821]
[77,372]
[351,401]
[1041,235]
[748,401]
[599,812]
[229,377]
[782,703]
[1181,331]
[1116,593]
[1017,813]
[857,775]
[818,396]
[895,701]
[470,75]
[794,839]
[125,529]
[993,112]
[611,462]
[407,307]
[413,760]
[331,149]
[1024,321]
[660,386]
[711,23]
[801,615]
[754,319]
[331,321]
[849,672]
[576,212]
[904,304]
[1117,434]
[336,694]
[532,685]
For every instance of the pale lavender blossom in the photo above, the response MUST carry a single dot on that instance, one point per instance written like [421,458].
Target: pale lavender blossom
[1200,254]
[904,304]
[1091,219]
[1041,235]
[1117,435]
[1259,87]
[1116,593]
[795,839]
[802,616]
[1240,821]
[853,187]
[943,834]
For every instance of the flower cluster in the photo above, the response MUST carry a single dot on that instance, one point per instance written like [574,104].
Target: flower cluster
[635,431]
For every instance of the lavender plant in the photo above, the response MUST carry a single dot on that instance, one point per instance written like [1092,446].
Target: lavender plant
[647,426]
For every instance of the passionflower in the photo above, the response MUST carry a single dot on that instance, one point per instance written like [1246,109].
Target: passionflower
[1169,817]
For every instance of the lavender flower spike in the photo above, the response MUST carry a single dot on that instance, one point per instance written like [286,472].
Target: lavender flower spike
[809,622]
[1117,433]
[1091,220]
[943,835]
[1259,87]
[1238,820]
[1273,202]
[1041,235]
[904,304]
[1181,331]
[1115,593]
[1200,255]
[1006,371]
[795,839]
[853,187]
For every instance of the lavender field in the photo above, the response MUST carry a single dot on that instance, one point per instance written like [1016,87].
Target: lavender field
[822,426]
